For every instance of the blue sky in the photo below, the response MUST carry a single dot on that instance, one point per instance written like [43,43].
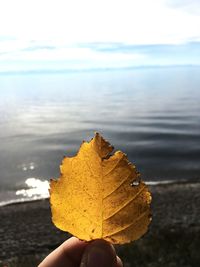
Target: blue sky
[62,34]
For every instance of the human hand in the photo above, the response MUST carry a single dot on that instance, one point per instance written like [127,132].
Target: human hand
[76,253]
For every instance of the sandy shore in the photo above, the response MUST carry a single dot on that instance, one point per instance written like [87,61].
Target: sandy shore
[27,233]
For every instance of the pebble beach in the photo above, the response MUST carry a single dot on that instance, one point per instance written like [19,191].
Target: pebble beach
[27,234]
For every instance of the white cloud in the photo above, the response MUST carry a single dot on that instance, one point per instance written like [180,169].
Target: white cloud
[66,21]
[28,30]
[189,6]
[67,58]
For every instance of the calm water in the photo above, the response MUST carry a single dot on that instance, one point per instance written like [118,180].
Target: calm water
[153,115]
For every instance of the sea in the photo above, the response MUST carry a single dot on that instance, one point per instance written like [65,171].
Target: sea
[152,114]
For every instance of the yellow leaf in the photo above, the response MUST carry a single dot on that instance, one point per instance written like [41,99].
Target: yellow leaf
[94,197]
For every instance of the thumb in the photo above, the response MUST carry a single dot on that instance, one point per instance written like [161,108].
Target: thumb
[99,253]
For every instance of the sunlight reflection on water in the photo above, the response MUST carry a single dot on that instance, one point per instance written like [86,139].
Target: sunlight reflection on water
[36,189]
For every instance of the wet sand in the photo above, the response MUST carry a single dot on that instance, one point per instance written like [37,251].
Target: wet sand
[27,233]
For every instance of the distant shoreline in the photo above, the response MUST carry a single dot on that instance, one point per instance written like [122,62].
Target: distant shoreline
[65,71]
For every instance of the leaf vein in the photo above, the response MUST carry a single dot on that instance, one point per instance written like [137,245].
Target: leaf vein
[113,168]
[129,225]
[122,182]
[126,203]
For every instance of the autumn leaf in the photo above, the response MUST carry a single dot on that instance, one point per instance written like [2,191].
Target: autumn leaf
[100,195]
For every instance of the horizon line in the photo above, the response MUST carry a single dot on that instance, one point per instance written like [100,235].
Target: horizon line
[57,71]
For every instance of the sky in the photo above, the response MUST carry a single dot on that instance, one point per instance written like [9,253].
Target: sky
[39,35]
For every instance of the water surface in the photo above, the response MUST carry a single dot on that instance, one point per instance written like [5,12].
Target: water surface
[153,115]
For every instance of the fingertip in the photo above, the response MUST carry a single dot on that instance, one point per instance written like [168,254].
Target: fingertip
[99,253]
[119,262]
[68,254]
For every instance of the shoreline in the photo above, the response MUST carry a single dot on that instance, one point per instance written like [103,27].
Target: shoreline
[151,183]
[26,229]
